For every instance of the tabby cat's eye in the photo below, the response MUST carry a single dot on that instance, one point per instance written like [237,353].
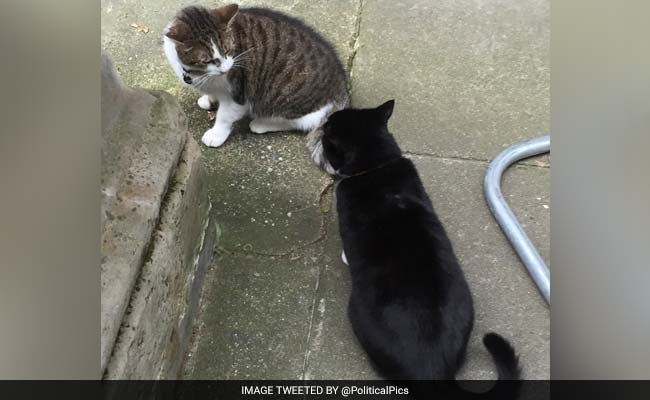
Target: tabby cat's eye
[216,62]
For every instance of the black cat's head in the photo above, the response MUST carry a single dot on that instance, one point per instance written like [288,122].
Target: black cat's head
[355,140]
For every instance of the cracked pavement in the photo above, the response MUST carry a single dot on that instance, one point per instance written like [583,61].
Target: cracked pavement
[469,79]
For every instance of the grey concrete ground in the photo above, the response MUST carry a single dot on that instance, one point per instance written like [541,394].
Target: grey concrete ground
[469,79]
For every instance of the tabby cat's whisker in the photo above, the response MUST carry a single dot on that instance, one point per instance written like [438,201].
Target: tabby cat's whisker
[242,53]
[202,80]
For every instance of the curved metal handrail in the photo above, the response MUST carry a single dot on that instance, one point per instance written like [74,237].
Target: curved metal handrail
[505,217]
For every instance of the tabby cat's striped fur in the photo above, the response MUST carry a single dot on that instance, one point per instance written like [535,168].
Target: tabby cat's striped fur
[256,62]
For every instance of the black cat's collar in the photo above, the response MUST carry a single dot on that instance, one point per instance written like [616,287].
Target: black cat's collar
[371,169]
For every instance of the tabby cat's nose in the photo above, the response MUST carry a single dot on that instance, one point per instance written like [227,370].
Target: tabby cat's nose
[187,79]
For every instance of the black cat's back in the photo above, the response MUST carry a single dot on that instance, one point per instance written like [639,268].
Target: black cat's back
[410,303]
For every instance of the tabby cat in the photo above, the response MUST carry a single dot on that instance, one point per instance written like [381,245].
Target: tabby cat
[257,62]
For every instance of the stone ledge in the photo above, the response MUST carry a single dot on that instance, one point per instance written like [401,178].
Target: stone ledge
[156,328]
[156,232]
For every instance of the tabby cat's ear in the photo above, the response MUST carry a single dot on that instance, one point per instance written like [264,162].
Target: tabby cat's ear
[177,31]
[385,110]
[224,14]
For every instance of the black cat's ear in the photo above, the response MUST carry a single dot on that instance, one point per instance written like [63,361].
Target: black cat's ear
[177,31]
[224,14]
[385,110]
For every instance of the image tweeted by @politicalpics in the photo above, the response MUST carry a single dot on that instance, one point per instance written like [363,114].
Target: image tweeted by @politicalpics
[332,391]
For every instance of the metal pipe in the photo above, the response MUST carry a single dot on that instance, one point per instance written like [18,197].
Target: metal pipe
[507,220]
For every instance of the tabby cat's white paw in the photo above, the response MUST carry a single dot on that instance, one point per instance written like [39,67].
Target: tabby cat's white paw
[215,137]
[204,102]
[344,258]
[258,127]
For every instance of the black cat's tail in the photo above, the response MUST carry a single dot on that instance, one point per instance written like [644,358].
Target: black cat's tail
[504,356]
[508,384]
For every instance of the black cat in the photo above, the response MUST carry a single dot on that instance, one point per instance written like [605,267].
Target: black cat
[410,308]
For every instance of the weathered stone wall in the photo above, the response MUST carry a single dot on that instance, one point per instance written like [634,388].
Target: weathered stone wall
[156,233]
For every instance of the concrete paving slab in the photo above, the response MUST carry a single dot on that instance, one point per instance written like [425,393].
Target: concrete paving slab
[265,200]
[469,77]
[256,319]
